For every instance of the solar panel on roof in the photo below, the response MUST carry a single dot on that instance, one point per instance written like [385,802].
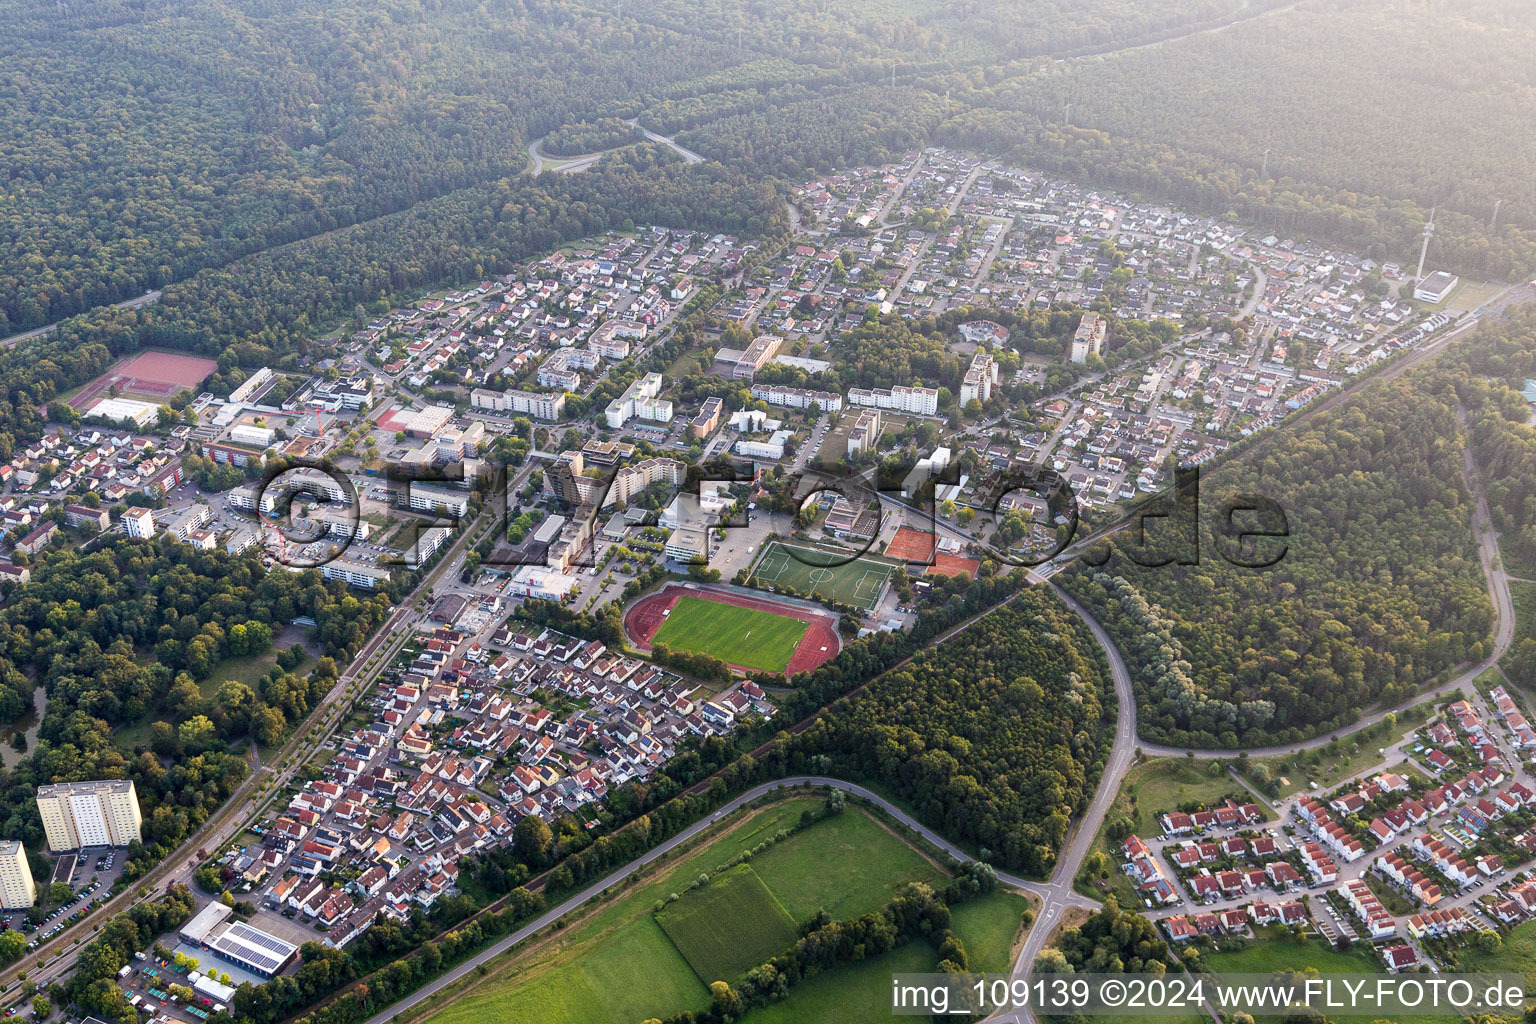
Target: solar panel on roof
[255,947]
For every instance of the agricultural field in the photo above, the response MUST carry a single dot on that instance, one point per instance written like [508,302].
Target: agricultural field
[729,926]
[861,994]
[618,964]
[741,636]
[858,583]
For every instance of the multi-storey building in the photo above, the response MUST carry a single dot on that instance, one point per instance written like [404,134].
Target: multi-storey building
[80,814]
[708,418]
[522,403]
[922,401]
[16,888]
[139,524]
[1089,339]
[640,400]
[797,398]
[980,379]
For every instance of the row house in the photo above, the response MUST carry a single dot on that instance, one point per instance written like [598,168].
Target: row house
[1378,924]
[1339,841]
[1524,736]
[1447,861]
[1409,878]
[1439,923]
[1319,865]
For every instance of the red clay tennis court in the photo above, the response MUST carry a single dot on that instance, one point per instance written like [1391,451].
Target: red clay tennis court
[911,545]
[953,565]
[149,374]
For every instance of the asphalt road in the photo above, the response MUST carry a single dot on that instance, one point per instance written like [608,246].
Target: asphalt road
[247,799]
[458,974]
[575,164]
[133,303]
[1059,895]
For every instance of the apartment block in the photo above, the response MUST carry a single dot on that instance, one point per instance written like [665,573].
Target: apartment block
[80,814]
[16,889]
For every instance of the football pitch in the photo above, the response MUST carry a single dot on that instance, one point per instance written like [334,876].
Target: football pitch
[741,636]
[857,584]
[728,926]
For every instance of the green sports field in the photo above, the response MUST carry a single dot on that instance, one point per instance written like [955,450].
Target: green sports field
[710,926]
[741,636]
[857,584]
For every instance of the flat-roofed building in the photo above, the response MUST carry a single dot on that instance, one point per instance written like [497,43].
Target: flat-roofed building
[138,523]
[1436,287]
[81,814]
[922,401]
[17,891]
[1089,339]
[520,403]
[253,949]
[356,574]
[708,419]
[865,431]
[687,543]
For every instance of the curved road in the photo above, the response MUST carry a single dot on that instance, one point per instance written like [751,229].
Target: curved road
[597,889]
[1059,894]
[1056,895]
[1503,635]
[576,164]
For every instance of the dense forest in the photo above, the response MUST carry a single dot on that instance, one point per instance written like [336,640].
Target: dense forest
[131,633]
[1503,437]
[1362,96]
[147,140]
[581,137]
[1379,588]
[996,738]
[266,309]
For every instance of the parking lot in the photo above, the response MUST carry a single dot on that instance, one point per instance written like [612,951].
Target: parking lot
[89,873]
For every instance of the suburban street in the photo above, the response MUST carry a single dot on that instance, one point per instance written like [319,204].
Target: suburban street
[248,799]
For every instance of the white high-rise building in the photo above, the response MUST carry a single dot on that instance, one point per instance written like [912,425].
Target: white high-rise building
[16,889]
[1089,338]
[80,814]
[138,523]
[980,379]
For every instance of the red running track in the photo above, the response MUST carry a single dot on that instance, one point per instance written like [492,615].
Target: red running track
[645,616]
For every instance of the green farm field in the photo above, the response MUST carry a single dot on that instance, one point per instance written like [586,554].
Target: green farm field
[861,993]
[857,584]
[728,926]
[617,963]
[741,636]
